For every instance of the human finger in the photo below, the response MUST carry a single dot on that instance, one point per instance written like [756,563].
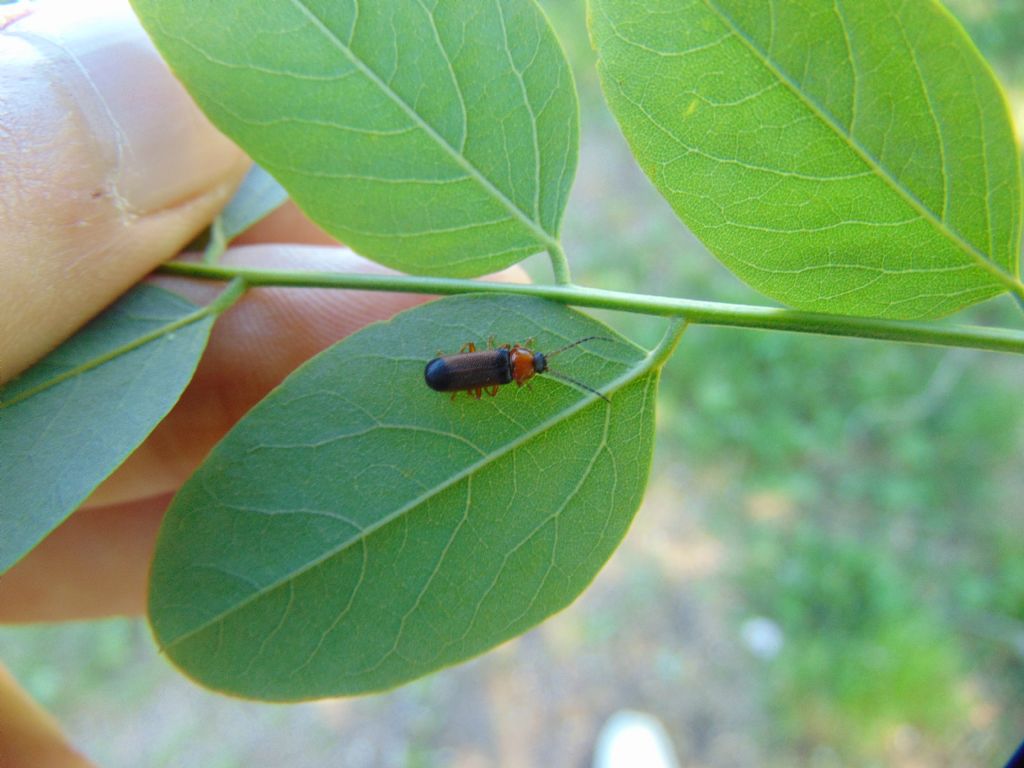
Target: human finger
[108,168]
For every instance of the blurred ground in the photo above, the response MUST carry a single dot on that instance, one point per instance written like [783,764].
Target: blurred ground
[828,568]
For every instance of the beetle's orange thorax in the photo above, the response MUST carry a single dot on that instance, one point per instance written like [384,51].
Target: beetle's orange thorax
[521,360]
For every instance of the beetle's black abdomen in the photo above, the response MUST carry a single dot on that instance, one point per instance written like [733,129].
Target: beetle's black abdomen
[470,370]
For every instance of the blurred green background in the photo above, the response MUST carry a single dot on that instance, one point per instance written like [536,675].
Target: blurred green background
[828,569]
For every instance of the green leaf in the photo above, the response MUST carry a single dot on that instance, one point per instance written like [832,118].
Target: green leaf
[70,420]
[357,530]
[853,157]
[436,138]
[257,196]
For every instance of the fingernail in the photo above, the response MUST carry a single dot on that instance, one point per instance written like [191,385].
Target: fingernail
[154,146]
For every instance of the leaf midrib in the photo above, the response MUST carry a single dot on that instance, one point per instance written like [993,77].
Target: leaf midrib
[231,293]
[881,171]
[643,367]
[94,362]
[534,227]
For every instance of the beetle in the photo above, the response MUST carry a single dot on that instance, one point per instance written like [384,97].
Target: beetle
[477,371]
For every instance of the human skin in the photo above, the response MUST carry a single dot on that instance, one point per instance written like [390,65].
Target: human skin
[107,169]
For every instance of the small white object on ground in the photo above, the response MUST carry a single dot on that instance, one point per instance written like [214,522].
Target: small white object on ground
[634,740]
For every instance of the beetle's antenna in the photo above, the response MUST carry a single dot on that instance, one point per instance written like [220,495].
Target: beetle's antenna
[579,384]
[580,341]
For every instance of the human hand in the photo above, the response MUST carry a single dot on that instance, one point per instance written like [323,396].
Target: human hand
[107,169]
[113,170]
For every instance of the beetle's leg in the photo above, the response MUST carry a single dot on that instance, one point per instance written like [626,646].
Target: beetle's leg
[528,343]
[490,341]
[479,392]
[492,391]
[469,346]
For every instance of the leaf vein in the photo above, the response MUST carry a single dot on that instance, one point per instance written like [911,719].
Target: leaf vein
[457,157]
[895,184]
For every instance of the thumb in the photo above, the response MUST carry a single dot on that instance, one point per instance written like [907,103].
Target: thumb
[107,168]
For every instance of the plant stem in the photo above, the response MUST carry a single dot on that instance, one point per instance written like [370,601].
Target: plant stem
[560,266]
[673,334]
[224,301]
[217,244]
[694,311]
